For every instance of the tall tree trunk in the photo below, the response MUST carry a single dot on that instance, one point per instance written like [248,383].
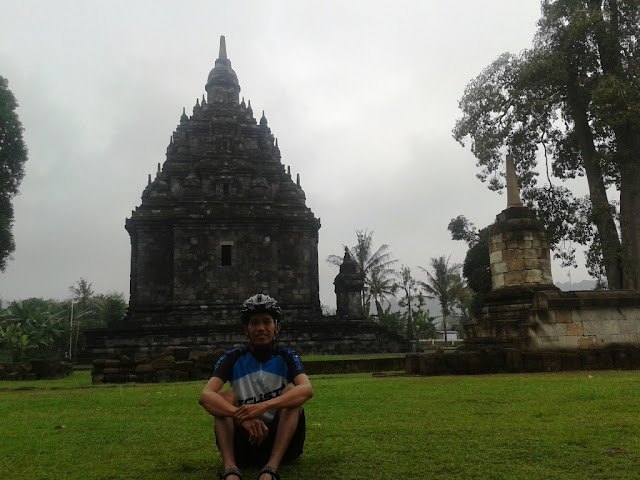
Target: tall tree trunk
[607,34]
[630,221]
[444,326]
[601,209]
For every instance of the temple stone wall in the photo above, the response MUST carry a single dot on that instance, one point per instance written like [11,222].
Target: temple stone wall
[584,320]
[513,360]
[528,324]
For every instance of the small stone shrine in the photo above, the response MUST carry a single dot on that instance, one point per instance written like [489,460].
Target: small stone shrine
[221,221]
[348,287]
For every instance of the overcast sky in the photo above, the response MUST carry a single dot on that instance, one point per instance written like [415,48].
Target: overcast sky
[362,96]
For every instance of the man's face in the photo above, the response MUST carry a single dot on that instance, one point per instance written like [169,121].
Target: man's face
[261,329]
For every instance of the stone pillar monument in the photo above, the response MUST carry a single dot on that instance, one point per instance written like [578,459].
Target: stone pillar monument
[348,287]
[520,266]
[518,247]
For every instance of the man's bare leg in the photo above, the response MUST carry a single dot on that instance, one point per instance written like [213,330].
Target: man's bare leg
[286,428]
[225,430]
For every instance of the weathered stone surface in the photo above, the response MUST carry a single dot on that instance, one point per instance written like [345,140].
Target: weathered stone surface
[514,278]
[184,365]
[552,362]
[143,359]
[144,368]
[181,353]
[587,342]
[165,363]
[348,287]
[575,329]
[198,355]
[563,316]
[127,362]
[571,360]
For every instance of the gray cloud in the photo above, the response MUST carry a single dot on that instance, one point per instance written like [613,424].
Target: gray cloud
[361,95]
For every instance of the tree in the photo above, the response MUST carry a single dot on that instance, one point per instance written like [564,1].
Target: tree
[376,266]
[13,155]
[82,292]
[575,96]
[34,328]
[407,286]
[445,285]
[111,307]
[381,287]
[477,266]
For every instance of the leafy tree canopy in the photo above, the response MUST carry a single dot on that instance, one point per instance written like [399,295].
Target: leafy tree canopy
[444,284]
[571,102]
[477,266]
[13,155]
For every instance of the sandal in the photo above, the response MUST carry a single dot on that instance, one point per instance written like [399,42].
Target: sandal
[231,471]
[271,471]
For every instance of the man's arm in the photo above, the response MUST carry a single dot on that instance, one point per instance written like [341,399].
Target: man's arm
[291,398]
[218,406]
[213,402]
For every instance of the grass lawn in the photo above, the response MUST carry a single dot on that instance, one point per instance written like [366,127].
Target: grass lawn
[583,425]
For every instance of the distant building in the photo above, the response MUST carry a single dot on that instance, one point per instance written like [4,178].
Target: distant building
[452,335]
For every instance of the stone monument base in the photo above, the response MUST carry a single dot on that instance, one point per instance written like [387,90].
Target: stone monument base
[324,336]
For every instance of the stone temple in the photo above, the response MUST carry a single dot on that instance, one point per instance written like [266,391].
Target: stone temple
[221,221]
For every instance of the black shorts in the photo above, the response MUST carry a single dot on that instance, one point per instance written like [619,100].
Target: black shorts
[258,455]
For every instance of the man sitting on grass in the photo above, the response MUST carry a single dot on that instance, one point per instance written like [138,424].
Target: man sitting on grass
[260,421]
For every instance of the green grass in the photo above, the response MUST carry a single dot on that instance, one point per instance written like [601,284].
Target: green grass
[537,426]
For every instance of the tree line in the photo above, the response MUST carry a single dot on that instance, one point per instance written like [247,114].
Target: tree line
[52,329]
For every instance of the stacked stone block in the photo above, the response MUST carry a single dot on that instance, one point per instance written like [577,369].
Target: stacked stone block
[509,360]
[176,364]
[518,251]
[584,320]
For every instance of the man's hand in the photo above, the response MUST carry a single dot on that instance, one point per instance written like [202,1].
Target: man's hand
[248,412]
[257,430]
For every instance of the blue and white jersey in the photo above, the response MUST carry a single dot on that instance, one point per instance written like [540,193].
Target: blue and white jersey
[253,381]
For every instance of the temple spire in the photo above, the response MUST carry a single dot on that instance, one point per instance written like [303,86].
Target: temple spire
[222,83]
[223,48]
[513,192]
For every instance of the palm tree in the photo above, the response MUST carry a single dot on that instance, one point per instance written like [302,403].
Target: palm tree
[377,267]
[381,286]
[407,286]
[444,284]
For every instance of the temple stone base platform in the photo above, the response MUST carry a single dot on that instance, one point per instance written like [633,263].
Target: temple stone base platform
[325,336]
[554,331]
[511,360]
